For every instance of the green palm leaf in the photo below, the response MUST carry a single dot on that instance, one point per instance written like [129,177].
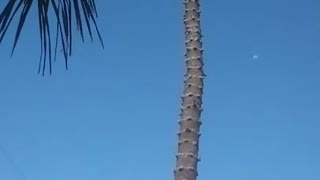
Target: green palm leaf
[84,13]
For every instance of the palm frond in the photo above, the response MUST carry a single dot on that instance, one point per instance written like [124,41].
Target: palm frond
[84,13]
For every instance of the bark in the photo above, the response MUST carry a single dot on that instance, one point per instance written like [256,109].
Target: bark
[189,130]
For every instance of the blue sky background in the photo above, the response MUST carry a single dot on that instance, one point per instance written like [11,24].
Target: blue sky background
[113,115]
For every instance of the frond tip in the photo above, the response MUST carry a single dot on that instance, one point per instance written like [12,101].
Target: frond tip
[85,14]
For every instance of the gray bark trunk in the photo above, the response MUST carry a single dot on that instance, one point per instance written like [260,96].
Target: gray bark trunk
[189,131]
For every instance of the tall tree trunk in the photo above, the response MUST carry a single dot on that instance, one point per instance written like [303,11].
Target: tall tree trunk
[189,131]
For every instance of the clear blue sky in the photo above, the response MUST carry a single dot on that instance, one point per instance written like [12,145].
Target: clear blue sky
[113,115]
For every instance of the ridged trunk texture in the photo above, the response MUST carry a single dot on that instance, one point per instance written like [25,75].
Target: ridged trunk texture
[189,131]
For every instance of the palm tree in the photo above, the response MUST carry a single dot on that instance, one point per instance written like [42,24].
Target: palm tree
[65,11]
[189,131]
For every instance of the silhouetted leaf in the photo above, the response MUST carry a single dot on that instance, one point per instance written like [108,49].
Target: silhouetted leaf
[63,11]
